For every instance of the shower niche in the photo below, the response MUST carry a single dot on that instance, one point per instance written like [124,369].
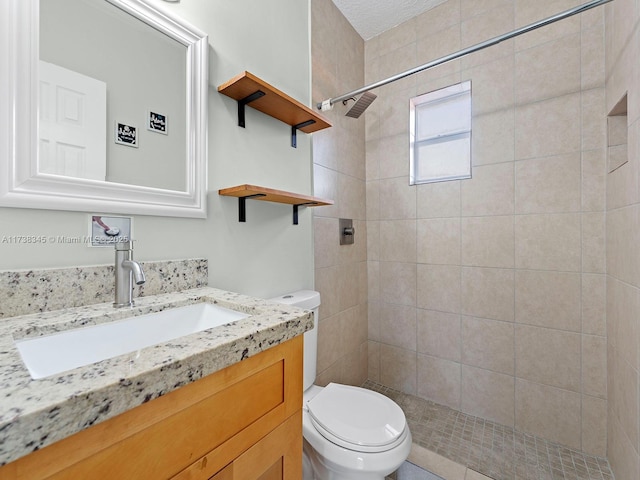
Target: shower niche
[617,141]
[249,90]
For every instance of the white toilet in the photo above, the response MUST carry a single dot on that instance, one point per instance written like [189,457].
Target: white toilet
[350,433]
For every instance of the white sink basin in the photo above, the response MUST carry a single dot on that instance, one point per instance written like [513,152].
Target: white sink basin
[59,352]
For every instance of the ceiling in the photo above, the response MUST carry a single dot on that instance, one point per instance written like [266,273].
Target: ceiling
[372,17]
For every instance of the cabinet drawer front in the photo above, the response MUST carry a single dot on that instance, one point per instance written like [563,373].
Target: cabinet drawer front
[278,456]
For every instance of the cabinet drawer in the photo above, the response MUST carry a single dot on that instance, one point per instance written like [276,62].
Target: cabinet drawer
[278,456]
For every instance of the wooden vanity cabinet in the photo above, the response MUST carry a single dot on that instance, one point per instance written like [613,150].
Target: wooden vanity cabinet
[242,422]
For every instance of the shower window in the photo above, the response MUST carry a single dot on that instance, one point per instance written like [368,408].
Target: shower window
[440,135]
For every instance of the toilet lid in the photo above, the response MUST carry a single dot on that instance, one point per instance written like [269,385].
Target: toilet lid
[357,418]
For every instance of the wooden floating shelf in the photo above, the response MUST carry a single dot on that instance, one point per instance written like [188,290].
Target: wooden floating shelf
[244,192]
[247,89]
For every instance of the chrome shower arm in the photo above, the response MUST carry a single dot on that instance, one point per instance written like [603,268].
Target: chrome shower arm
[327,104]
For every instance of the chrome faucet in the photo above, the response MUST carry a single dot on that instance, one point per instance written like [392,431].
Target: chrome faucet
[127,270]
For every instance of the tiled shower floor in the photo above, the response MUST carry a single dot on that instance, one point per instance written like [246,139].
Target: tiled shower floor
[492,449]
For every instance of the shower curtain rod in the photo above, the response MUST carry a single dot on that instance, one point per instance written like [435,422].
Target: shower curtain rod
[328,104]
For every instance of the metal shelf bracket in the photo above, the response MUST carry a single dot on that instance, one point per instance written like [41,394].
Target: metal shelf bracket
[242,102]
[295,128]
[242,206]
[295,210]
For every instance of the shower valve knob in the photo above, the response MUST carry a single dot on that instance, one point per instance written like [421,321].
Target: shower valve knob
[346,231]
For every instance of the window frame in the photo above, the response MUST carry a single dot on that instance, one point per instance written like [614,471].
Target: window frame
[436,97]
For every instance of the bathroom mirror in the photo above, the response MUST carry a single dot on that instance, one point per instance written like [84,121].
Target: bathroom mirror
[103,108]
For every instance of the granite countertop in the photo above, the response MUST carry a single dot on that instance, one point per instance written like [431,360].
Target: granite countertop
[36,413]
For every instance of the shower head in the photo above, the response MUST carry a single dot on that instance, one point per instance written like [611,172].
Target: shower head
[361,104]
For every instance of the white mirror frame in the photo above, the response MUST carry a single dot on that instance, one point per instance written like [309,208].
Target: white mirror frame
[20,183]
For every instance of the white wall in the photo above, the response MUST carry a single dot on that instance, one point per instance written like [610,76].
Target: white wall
[266,255]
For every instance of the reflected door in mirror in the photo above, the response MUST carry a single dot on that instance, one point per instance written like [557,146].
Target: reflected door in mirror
[73,110]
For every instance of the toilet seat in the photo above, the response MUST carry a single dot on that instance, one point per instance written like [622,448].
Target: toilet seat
[357,419]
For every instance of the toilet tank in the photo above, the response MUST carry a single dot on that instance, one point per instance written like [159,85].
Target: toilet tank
[309,300]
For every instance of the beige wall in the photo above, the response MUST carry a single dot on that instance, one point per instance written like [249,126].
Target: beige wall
[623,239]
[488,294]
[339,173]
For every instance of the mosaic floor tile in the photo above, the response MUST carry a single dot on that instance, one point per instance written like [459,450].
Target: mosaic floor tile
[495,450]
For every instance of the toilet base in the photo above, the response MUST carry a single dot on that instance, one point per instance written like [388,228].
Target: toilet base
[307,468]
[315,467]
